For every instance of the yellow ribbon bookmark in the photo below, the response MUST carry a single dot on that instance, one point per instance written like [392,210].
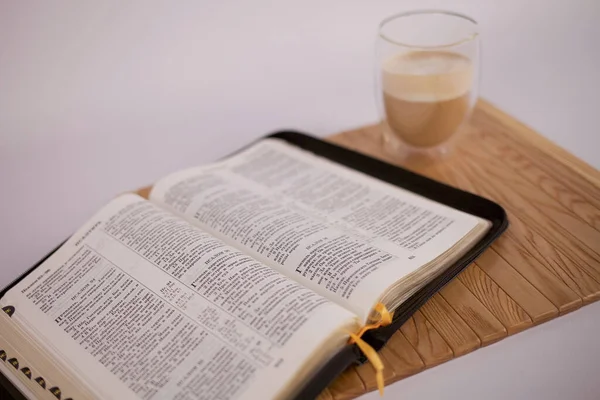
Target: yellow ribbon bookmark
[385,318]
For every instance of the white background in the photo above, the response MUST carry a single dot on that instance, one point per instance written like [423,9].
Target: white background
[99,97]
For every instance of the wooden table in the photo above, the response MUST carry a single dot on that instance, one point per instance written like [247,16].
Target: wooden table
[546,264]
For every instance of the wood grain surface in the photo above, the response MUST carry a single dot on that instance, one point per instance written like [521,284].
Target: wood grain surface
[429,344]
[545,265]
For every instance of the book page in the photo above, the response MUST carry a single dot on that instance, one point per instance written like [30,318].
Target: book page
[141,304]
[335,230]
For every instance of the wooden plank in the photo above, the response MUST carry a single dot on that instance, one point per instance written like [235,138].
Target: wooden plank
[512,316]
[402,357]
[426,340]
[459,336]
[555,290]
[539,274]
[325,395]
[347,386]
[366,372]
[485,114]
[577,184]
[473,312]
[543,214]
[364,139]
[535,304]
[570,196]
[557,256]
[574,275]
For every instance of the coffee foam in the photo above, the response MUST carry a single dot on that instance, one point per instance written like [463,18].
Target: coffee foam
[427,76]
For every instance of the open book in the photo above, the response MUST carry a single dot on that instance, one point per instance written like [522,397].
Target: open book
[236,280]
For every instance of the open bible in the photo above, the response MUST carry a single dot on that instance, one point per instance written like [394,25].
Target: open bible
[235,280]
